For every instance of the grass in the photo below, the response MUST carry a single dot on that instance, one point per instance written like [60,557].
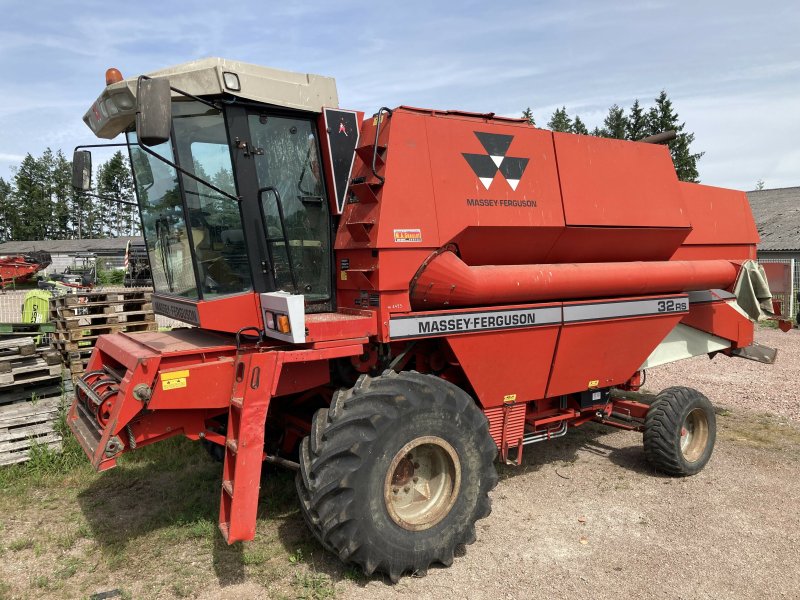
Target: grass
[765,431]
[75,532]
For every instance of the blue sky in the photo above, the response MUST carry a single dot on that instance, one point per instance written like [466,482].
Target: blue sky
[732,68]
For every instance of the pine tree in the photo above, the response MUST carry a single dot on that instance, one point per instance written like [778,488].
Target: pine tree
[8,213]
[32,200]
[579,127]
[527,114]
[61,194]
[662,117]
[560,121]
[114,181]
[636,127]
[615,123]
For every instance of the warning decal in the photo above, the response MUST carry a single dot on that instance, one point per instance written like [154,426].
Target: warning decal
[174,380]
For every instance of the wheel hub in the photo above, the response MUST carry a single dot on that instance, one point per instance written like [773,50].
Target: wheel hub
[422,483]
[694,435]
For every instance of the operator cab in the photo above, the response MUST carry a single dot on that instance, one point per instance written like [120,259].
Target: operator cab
[232,193]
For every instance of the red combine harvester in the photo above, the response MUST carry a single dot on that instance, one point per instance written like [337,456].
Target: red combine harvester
[19,268]
[388,304]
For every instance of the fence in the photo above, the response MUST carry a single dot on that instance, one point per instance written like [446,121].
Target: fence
[784,288]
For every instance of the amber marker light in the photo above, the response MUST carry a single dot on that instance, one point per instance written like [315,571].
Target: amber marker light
[283,324]
[113,76]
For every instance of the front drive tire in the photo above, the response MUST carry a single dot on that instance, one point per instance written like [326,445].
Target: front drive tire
[679,431]
[396,473]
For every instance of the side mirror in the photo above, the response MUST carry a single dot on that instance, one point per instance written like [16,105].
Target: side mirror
[153,114]
[141,169]
[82,170]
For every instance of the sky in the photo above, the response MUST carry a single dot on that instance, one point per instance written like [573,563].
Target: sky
[731,68]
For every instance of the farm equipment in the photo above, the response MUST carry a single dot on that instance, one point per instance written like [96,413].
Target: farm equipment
[387,304]
[19,268]
[137,266]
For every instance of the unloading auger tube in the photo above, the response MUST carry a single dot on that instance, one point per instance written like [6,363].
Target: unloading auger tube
[446,280]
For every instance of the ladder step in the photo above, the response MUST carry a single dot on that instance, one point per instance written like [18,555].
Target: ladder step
[233,445]
[236,403]
[227,485]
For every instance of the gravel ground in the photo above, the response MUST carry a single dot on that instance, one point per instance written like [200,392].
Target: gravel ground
[587,518]
[734,383]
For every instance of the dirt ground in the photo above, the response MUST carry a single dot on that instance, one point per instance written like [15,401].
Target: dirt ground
[584,517]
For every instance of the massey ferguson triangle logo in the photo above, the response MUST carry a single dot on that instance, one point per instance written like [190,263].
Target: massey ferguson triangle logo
[487,165]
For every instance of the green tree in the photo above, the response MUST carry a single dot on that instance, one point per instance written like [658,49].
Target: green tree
[8,213]
[636,126]
[662,117]
[114,181]
[560,121]
[759,185]
[579,127]
[527,114]
[31,198]
[615,123]
[61,196]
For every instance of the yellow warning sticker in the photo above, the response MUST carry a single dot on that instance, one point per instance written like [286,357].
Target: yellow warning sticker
[593,383]
[343,275]
[174,380]
[510,398]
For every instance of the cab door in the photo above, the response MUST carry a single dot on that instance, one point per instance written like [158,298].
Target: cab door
[278,154]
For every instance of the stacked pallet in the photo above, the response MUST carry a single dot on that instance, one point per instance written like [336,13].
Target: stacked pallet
[30,397]
[80,319]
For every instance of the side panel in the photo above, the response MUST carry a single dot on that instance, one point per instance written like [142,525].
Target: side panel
[511,365]
[722,224]
[494,177]
[617,183]
[603,343]
[721,319]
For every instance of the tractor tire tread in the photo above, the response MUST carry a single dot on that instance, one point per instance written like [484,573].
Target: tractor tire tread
[340,446]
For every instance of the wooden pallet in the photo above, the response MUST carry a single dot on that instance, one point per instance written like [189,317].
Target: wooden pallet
[92,332]
[24,424]
[33,391]
[87,299]
[22,364]
[93,320]
[16,330]
[14,347]
[29,369]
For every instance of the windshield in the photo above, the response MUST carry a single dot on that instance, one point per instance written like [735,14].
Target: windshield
[196,250]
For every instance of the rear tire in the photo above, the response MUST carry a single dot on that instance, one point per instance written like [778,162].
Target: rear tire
[395,474]
[680,431]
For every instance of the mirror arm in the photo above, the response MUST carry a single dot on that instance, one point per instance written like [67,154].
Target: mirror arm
[98,146]
[188,174]
[108,198]
[181,92]
[170,163]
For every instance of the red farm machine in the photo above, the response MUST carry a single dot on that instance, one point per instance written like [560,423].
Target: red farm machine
[19,268]
[389,304]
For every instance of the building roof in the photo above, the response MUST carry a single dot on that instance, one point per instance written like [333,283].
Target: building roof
[98,246]
[777,216]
